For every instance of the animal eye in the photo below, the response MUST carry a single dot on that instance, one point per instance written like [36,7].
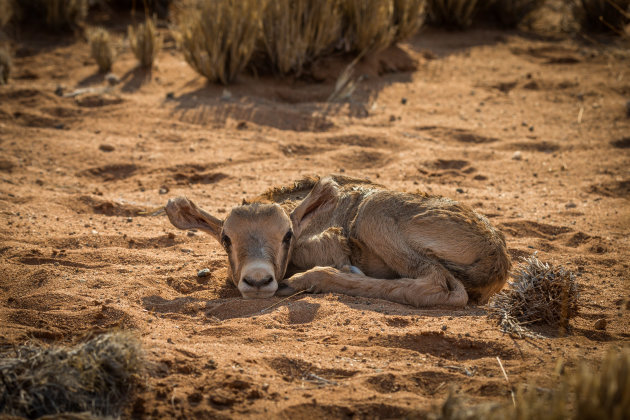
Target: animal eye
[287,237]
[225,240]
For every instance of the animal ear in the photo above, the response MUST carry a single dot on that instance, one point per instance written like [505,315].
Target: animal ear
[322,197]
[184,214]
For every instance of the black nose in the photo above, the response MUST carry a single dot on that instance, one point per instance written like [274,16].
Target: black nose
[258,283]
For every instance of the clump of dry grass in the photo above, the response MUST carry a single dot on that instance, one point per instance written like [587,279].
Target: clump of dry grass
[296,32]
[96,376]
[456,13]
[539,293]
[65,13]
[5,66]
[369,25]
[602,15]
[408,17]
[58,14]
[101,49]
[510,13]
[583,394]
[6,11]
[145,42]
[218,37]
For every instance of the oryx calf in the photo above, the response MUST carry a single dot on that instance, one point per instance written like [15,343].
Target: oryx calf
[355,237]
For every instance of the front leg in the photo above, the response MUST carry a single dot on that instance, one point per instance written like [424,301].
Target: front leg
[436,287]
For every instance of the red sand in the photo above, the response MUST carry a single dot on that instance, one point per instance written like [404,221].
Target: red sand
[75,257]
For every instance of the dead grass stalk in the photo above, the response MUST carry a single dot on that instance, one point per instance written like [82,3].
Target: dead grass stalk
[602,15]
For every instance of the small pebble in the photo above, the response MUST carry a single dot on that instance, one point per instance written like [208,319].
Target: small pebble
[444,327]
[112,79]
[600,324]
[129,219]
[517,155]
[59,126]
[203,273]
[191,233]
[459,190]
[531,128]
[403,101]
[570,205]
[163,190]
[59,91]
[170,96]
[106,148]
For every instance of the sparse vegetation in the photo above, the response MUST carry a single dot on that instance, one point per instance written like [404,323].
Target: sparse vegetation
[369,25]
[95,376]
[6,11]
[602,15]
[540,293]
[455,13]
[65,13]
[510,13]
[408,17]
[101,48]
[582,394]
[58,14]
[5,66]
[296,32]
[218,37]
[145,42]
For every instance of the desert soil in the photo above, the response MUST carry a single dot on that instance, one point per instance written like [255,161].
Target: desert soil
[530,130]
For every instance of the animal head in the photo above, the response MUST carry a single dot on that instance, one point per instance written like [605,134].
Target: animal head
[258,238]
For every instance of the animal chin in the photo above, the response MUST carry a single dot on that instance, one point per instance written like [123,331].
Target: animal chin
[261,294]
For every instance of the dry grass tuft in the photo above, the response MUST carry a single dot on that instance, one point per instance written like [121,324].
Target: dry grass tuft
[218,37]
[96,376]
[369,25]
[602,15]
[5,66]
[540,293]
[583,394]
[296,32]
[456,13]
[6,12]
[408,17]
[145,42]
[510,13]
[59,14]
[65,13]
[102,49]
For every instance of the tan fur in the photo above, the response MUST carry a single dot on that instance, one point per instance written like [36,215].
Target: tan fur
[412,248]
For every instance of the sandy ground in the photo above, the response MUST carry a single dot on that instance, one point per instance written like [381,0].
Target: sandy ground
[530,130]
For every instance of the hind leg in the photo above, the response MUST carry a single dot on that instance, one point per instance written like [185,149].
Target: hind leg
[435,287]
